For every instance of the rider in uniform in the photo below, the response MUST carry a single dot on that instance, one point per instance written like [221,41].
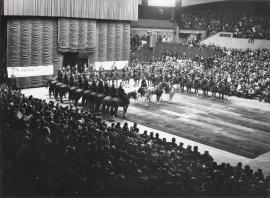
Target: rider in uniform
[80,81]
[101,71]
[112,91]
[143,87]
[85,83]
[94,86]
[100,88]
[65,79]
[60,75]
[106,89]
[71,80]
[120,91]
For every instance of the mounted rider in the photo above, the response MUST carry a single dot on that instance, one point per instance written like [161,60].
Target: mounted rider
[80,81]
[100,88]
[60,75]
[93,86]
[106,89]
[112,91]
[71,80]
[85,83]
[143,88]
[113,72]
[121,92]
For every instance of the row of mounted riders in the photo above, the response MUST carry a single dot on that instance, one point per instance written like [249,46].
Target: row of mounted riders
[101,96]
[184,82]
[155,79]
[96,97]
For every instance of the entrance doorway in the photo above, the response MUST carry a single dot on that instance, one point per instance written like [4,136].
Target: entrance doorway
[75,58]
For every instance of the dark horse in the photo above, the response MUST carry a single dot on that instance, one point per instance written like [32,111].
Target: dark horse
[162,88]
[224,89]
[110,105]
[51,84]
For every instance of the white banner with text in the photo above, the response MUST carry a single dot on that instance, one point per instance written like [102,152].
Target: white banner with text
[30,71]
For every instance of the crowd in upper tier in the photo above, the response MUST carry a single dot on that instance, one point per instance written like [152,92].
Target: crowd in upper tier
[244,21]
[50,150]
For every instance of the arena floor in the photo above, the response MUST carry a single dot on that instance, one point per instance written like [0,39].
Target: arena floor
[232,130]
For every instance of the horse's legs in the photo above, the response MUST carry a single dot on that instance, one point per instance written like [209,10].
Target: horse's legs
[61,97]
[124,111]
[115,110]
[50,92]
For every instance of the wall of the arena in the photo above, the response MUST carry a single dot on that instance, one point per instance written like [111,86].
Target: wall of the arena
[42,41]
[32,42]
[3,45]
[235,43]
[189,52]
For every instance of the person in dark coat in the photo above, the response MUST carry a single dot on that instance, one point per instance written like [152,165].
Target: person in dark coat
[112,91]
[100,88]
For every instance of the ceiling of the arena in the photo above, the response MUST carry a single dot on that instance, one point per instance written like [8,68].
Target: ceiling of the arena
[171,3]
[194,2]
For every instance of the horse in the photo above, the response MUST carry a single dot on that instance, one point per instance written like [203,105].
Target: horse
[183,83]
[63,90]
[204,85]
[134,95]
[158,91]
[75,94]
[224,89]
[51,84]
[197,85]
[189,84]
[213,88]
[110,105]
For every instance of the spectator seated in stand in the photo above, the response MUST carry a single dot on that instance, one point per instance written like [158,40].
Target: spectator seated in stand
[243,19]
[50,150]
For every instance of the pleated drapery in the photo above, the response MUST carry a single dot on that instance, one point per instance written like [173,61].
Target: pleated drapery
[76,35]
[32,42]
[36,42]
[126,10]
[102,41]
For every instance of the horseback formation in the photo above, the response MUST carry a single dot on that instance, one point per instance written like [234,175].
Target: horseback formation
[96,95]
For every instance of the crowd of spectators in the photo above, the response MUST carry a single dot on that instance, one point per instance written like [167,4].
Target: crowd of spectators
[243,20]
[246,71]
[137,41]
[50,150]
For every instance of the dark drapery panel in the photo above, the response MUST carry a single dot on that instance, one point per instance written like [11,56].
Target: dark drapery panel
[3,45]
[118,41]
[32,42]
[36,50]
[76,35]
[111,41]
[126,41]
[102,41]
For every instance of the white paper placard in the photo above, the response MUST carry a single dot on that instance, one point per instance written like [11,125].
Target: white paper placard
[30,71]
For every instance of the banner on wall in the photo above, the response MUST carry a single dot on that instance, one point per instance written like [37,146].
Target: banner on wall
[107,65]
[30,71]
